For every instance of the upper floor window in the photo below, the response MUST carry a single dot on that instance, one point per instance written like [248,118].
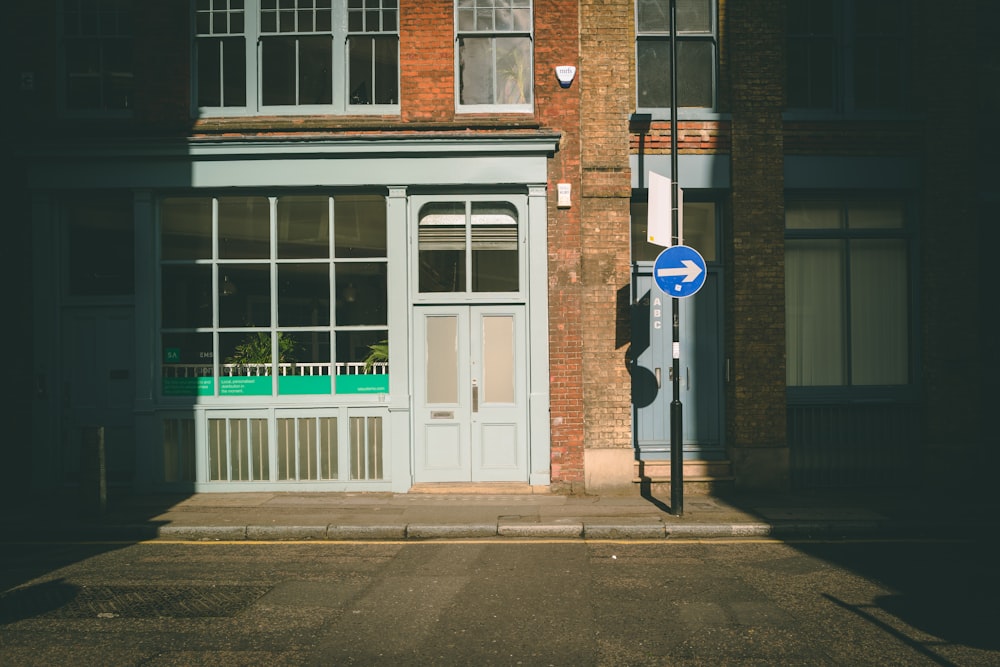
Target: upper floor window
[97,52]
[296,56]
[848,280]
[494,55]
[847,56]
[697,53]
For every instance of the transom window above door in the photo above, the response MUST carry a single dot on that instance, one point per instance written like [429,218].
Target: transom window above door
[468,246]
[296,56]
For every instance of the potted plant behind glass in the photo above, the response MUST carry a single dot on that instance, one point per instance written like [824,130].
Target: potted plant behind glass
[378,353]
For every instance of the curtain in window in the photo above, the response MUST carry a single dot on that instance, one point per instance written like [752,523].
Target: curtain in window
[879,324]
[814,300]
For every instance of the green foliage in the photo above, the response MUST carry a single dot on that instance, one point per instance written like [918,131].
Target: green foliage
[377,352]
[256,349]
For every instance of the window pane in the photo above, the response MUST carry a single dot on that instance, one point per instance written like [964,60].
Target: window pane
[187,365]
[303,227]
[442,248]
[244,228]
[498,359]
[811,65]
[653,73]
[513,74]
[361,294]
[360,226]
[315,70]
[699,228]
[879,312]
[101,241]
[386,70]
[355,347]
[652,15]
[234,73]
[246,354]
[186,228]
[695,76]
[83,71]
[694,16]
[186,297]
[442,355]
[475,65]
[875,215]
[244,295]
[303,295]
[118,78]
[208,56]
[494,248]
[814,312]
[306,366]
[814,215]
[278,71]
[360,65]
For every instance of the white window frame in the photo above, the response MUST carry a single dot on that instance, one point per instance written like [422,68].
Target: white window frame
[492,33]
[340,66]
[272,264]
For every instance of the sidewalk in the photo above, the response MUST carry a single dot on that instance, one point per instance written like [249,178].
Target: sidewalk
[373,516]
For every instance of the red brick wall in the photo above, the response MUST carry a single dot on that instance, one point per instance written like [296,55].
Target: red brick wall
[557,43]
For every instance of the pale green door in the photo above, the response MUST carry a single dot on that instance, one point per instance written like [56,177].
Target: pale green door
[470,394]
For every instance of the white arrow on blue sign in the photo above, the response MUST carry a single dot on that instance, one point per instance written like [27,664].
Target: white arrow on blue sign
[679,271]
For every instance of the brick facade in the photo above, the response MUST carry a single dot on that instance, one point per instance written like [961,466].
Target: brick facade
[589,263]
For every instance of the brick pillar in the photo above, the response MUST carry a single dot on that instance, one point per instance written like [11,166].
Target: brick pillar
[756,421]
[607,43]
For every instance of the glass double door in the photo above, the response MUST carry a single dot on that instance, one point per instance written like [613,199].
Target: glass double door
[470,394]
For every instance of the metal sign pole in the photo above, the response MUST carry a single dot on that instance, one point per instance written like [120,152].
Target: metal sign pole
[676,417]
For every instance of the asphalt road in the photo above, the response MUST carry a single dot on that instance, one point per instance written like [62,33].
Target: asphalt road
[501,602]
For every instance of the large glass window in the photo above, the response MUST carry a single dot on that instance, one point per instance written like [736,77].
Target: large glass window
[296,55]
[697,53]
[98,58]
[494,54]
[848,55]
[273,294]
[847,292]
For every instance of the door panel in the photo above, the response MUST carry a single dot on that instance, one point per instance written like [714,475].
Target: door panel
[701,376]
[98,387]
[470,394]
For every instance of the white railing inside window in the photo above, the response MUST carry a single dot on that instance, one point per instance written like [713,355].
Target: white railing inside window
[299,369]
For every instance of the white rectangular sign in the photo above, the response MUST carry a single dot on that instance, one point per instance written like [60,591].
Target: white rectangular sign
[658,212]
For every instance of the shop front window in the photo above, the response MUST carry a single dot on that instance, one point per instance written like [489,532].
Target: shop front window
[266,295]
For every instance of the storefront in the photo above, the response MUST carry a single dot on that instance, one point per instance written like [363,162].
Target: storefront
[335,314]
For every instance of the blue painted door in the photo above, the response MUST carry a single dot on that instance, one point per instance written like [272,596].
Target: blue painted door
[701,368]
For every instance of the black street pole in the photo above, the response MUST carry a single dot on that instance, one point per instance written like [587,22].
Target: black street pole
[676,417]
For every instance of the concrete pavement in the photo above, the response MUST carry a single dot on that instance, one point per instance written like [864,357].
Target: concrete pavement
[376,516]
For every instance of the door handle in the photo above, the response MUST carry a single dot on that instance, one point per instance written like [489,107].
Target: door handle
[656,372]
[475,396]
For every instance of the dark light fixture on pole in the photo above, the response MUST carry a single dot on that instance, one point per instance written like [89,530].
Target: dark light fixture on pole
[676,413]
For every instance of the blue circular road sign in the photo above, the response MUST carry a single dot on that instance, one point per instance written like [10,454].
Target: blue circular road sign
[679,271]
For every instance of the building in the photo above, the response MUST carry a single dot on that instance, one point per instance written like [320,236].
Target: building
[333,245]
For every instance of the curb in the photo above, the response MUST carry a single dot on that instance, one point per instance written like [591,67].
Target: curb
[568,529]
